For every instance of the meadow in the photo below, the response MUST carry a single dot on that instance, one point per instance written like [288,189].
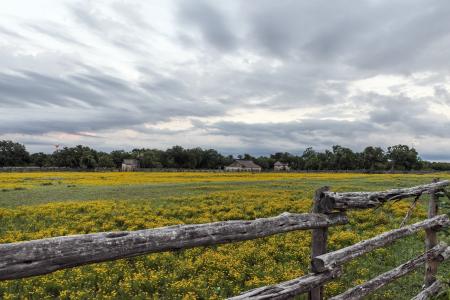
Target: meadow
[40,205]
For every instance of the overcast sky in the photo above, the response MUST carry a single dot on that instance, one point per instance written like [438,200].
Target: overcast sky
[239,76]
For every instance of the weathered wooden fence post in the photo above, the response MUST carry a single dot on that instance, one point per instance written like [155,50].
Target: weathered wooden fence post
[318,240]
[431,240]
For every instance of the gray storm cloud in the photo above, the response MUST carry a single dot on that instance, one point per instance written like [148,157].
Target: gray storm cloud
[210,73]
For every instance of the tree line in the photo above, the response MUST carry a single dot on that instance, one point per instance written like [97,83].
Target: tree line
[398,157]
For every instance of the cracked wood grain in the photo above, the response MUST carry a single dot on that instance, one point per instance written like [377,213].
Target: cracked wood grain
[363,200]
[338,257]
[430,291]
[291,288]
[37,257]
[358,292]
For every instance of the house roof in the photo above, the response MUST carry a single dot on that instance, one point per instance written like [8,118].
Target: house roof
[280,164]
[130,161]
[244,164]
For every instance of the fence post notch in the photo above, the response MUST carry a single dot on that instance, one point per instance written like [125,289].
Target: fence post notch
[319,237]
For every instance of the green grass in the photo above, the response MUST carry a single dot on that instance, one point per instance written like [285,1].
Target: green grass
[150,205]
[160,192]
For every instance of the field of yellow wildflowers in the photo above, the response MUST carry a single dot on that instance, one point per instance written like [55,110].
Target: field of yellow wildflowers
[39,205]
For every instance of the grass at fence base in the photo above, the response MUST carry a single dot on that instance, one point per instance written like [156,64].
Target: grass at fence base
[80,203]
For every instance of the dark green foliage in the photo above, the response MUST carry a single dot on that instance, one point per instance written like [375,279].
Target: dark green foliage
[403,158]
[105,160]
[373,158]
[41,159]
[398,157]
[76,157]
[13,154]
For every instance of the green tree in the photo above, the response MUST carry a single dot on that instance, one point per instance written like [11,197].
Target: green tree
[212,159]
[373,158]
[151,158]
[403,158]
[76,157]
[88,160]
[311,159]
[246,156]
[41,159]
[13,154]
[105,160]
[326,160]
[194,158]
[344,158]
[177,157]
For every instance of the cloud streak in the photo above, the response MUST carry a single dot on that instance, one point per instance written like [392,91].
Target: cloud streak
[228,75]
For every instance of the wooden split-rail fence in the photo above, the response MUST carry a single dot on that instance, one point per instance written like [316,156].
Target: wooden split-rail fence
[37,257]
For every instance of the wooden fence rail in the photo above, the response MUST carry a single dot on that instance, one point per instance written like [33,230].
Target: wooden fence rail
[363,200]
[430,291]
[327,201]
[23,259]
[288,289]
[438,252]
[30,258]
[339,257]
[331,270]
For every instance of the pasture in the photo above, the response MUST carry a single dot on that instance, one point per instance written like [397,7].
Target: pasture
[39,205]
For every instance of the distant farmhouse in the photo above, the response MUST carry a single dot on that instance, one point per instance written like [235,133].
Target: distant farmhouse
[279,166]
[240,165]
[129,165]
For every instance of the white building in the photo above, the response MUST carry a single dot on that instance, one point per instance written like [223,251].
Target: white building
[279,166]
[130,165]
[240,165]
